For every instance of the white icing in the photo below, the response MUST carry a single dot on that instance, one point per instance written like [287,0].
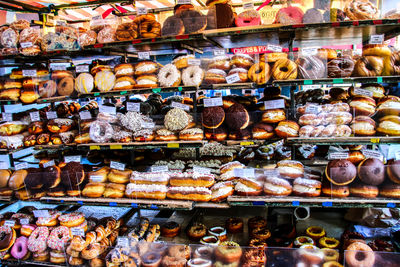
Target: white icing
[122,84]
[389,104]
[389,125]
[187,189]
[227,175]
[361,104]
[287,130]
[150,176]
[304,189]
[362,126]
[243,188]
[192,76]
[221,191]
[168,75]
[274,188]
[124,71]
[146,68]
[290,170]
[145,188]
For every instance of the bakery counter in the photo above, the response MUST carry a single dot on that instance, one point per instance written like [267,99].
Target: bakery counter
[344,140]
[142,145]
[347,202]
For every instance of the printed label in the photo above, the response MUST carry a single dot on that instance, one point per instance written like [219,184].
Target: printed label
[219,52]
[85,115]
[309,51]
[147,125]
[24,221]
[49,164]
[193,62]
[162,168]
[3,165]
[122,242]
[338,155]
[248,5]
[133,106]
[141,10]
[359,91]
[82,68]
[35,116]
[77,231]
[312,109]
[76,158]
[58,67]
[9,223]
[274,48]
[7,116]
[368,153]
[117,165]
[26,44]
[199,169]
[212,102]
[96,178]
[20,166]
[272,172]
[144,55]
[232,78]
[41,213]
[107,109]
[273,104]
[29,73]
[184,2]
[180,105]
[51,115]
[377,39]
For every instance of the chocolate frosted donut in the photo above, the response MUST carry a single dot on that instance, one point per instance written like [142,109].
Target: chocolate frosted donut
[393,171]
[313,15]
[237,117]
[371,171]
[220,16]
[34,179]
[193,21]
[340,67]
[340,172]
[242,134]
[311,67]
[72,174]
[213,117]
[51,176]
[173,26]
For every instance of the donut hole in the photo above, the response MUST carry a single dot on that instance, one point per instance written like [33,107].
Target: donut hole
[369,67]
[284,69]
[360,256]
[330,242]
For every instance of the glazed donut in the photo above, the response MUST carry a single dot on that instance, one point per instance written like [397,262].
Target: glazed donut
[359,254]
[199,262]
[169,76]
[126,31]
[328,242]
[150,29]
[234,225]
[303,240]
[228,252]
[101,131]
[315,232]
[58,238]
[330,254]
[91,251]
[179,251]
[259,73]
[72,219]
[331,264]
[20,248]
[193,21]
[392,64]
[340,67]
[289,15]
[284,69]
[203,252]
[360,10]
[368,66]
[311,68]
[192,76]
[311,254]
[37,241]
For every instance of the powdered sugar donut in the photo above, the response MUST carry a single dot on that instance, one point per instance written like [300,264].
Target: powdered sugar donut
[101,131]
[192,76]
[37,241]
[9,38]
[58,237]
[169,76]
[106,35]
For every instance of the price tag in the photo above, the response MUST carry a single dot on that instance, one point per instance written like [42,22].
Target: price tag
[7,116]
[23,152]
[141,10]
[375,140]
[312,109]
[96,178]
[274,48]
[26,44]
[85,115]
[273,104]
[309,51]
[117,165]
[184,2]
[35,116]
[338,155]
[162,168]
[58,67]
[199,169]
[41,213]
[82,68]
[24,221]
[107,109]
[219,52]
[248,5]
[377,39]
[180,105]
[77,231]
[51,115]
[76,158]
[359,91]
[133,106]
[247,143]
[232,78]
[3,165]
[212,102]
[147,125]
[270,172]
[397,155]
[122,242]
[144,55]
[368,153]
[20,166]
[310,87]
[9,223]
[29,73]
[49,164]
[193,62]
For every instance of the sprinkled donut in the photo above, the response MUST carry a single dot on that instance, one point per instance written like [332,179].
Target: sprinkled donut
[169,76]
[71,219]
[49,221]
[192,76]
[176,120]
[101,131]
[37,242]
[59,237]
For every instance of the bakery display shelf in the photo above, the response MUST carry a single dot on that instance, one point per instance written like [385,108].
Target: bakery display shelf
[225,86]
[384,79]
[121,202]
[357,140]
[326,202]
[142,145]
[6,199]
[211,205]
[29,263]
[245,143]
[54,99]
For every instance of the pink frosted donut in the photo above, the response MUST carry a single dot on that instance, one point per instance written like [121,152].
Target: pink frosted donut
[37,241]
[289,15]
[248,18]
[20,248]
[59,237]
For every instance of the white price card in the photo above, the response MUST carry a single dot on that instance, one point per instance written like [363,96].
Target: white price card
[24,221]
[141,10]
[368,153]
[76,158]
[397,155]
[107,109]
[338,155]
[82,68]
[49,164]
[309,51]
[194,62]
[7,116]
[58,67]
[3,165]
[232,78]
[219,52]
[310,87]
[29,73]
[20,166]
[77,231]
[117,165]
[274,48]
[85,115]
[41,213]
[35,116]
[122,242]
[184,2]
[273,104]
[147,125]
[377,39]
[312,109]
[358,91]
[213,102]
[162,168]
[51,115]
[271,172]
[248,5]
[180,105]
[133,107]
[9,223]
[203,170]
[144,55]
[26,44]
[96,178]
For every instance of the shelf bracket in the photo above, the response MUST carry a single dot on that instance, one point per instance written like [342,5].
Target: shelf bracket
[215,43]
[192,48]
